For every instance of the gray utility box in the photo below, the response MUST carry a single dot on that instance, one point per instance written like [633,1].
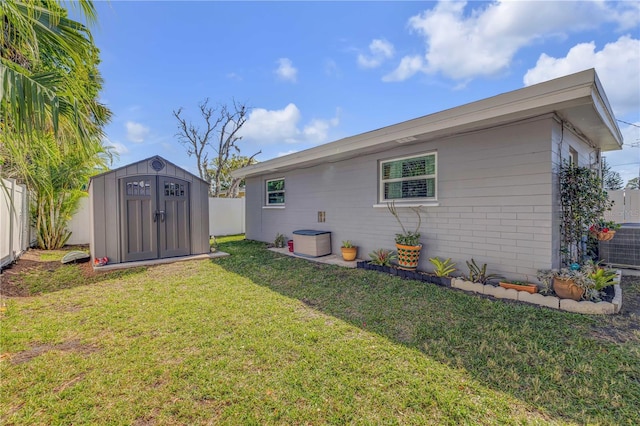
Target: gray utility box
[310,243]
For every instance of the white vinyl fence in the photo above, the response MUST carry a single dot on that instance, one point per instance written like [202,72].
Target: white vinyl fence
[626,207]
[15,230]
[226,217]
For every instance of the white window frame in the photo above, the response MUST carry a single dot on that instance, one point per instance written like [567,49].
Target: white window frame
[381,181]
[267,192]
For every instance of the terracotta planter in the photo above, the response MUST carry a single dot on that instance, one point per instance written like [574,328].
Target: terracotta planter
[349,253]
[408,256]
[567,289]
[529,288]
[605,236]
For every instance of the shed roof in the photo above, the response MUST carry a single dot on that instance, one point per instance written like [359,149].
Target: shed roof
[577,98]
[146,160]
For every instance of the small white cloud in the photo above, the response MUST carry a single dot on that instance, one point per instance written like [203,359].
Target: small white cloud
[318,130]
[409,65]
[116,147]
[291,151]
[278,126]
[617,65]
[234,76]
[379,51]
[286,71]
[136,132]
[331,68]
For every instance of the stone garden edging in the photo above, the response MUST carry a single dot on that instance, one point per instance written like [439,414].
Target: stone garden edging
[582,307]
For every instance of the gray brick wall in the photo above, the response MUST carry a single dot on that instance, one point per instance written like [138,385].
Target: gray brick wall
[497,201]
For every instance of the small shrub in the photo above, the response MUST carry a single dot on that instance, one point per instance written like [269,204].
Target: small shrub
[479,274]
[382,257]
[443,268]
[280,241]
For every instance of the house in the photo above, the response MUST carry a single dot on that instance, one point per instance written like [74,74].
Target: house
[485,174]
[147,210]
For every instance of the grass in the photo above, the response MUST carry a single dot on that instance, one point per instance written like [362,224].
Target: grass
[258,338]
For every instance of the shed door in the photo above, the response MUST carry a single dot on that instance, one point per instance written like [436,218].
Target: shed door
[173,200]
[155,217]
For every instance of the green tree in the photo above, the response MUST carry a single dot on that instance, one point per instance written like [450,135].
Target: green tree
[229,184]
[50,119]
[33,32]
[610,179]
[57,177]
[633,183]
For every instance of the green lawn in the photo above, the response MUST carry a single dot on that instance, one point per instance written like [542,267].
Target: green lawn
[258,338]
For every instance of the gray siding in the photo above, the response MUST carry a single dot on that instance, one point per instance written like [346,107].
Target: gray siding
[104,193]
[495,194]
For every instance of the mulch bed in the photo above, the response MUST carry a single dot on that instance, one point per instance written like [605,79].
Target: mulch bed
[11,278]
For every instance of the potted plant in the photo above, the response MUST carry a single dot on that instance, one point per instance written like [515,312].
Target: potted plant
[408,242]
[578,282]
[604,230]
[519,286]
[349,251]
[567,283]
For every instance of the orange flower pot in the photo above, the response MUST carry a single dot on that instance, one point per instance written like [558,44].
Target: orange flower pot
[529,288]
[349,253]
[408,256]
[567,289]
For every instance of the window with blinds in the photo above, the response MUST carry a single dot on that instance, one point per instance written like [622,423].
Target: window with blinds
[275,192]
[408,178]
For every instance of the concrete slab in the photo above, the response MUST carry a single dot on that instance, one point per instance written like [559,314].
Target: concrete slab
[330,259]
[152,262]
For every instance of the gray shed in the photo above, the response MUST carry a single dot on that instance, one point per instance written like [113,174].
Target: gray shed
[150,209]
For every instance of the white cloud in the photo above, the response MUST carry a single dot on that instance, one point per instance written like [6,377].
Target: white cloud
[483,41]
[278,126]
[286,71]
[331,68]
[379,50]
[136,132]
[317,130]
[409,65]
[273,125]
[291,151]
[617,65]
[116,147]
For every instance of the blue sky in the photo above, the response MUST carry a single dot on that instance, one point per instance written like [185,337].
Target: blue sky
[314,72]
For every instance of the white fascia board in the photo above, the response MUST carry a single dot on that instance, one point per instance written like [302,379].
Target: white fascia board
[564,92]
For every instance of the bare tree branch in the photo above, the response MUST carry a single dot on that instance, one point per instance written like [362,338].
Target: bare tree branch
[222,124]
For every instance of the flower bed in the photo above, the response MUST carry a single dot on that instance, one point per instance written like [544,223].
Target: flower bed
[583,307]
[607,307]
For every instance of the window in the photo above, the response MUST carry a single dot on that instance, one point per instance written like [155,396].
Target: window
[573,156]
[275,192]
[408,178]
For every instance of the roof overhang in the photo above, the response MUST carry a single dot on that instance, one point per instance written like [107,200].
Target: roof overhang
[577,99]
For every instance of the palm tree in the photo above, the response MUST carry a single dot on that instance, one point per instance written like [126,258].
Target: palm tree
[30,96]
[50,119]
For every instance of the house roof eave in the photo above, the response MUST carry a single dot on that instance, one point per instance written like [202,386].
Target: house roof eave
[577,97]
